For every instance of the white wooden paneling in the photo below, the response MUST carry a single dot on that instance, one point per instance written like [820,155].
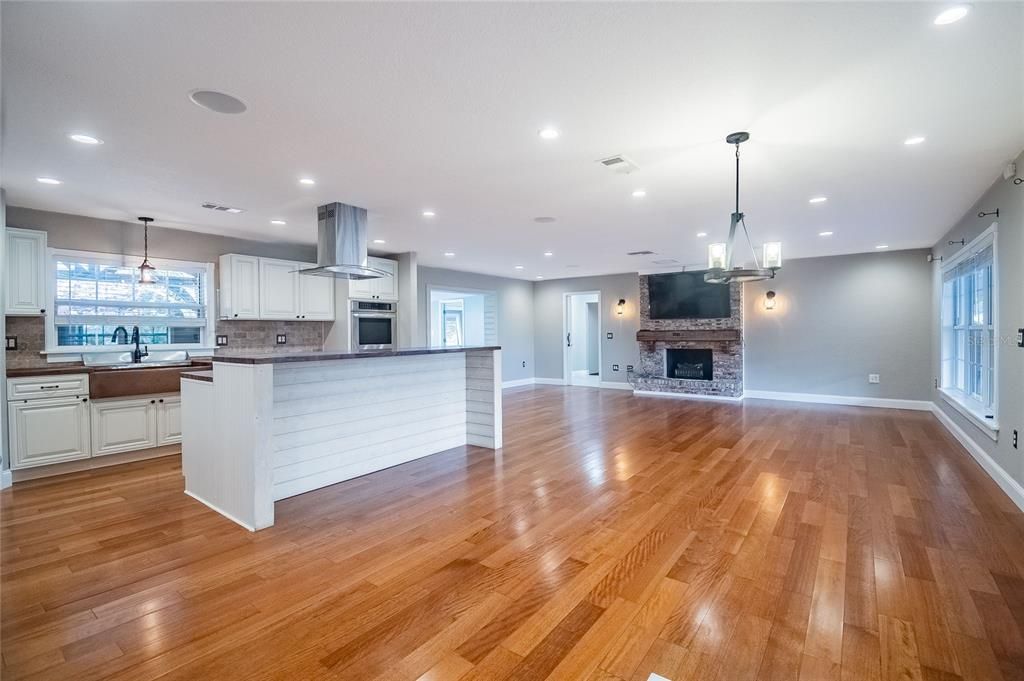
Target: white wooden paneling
[483,398]
[338,420]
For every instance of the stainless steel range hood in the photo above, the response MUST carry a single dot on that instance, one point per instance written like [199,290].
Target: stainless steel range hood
[341,243]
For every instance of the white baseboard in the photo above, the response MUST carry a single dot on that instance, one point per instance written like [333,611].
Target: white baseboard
[549,381]
[6,480]
[615,385]
[881,402]
[224,513]
[1013,489]
[688,396]
[517,383]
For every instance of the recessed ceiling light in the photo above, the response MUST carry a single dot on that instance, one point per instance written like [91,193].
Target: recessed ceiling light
[818,199]
[379,241]
[548,133]
[952,15]
[824,233]
[548,254]
[881,246]
[278,222]
[639,193]
[84,139]
[538,277]
[218,102]
[233,210]
[307,180]
[910,141]
[543,219]
[701,235]
[48,180]
[449,254]
[429,213]
[519,267]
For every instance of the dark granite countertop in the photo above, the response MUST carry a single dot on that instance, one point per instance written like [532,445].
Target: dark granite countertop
[324,355]
[62,369]
[206,376]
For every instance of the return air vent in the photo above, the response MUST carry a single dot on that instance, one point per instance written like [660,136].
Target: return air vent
[641,253]
[619,164]
[666,261]
[222,209]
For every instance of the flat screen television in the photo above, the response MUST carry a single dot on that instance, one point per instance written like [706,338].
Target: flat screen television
[685,295]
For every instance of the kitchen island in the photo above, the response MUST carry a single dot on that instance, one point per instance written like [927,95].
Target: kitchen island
[264,427]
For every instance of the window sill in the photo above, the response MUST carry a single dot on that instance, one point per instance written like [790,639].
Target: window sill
[988,426]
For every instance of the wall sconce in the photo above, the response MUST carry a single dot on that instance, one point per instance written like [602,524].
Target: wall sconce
[621,306]
[769,300]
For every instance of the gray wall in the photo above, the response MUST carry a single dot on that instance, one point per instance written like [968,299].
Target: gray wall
[1009,199]
[548,314]
[838,319]
[515,314]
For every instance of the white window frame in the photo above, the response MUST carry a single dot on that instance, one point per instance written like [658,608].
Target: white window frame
[969,407]
[71,353]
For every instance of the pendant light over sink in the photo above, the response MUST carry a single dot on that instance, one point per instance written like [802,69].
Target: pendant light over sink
[720,255]
[146,271]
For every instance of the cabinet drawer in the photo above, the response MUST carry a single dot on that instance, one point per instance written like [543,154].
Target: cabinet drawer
[35,387]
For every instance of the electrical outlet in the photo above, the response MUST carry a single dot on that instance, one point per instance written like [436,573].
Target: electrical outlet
[609,335]
[222,341]
[615,367]
[1020,338]
[874,378]
[11,342]
[629,367]
[1015,438]
[524,363]
[281,339]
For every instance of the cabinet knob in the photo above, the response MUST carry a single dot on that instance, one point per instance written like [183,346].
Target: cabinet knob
[42,312]
[161,400]
[85,399]
[152,401]
[236,314]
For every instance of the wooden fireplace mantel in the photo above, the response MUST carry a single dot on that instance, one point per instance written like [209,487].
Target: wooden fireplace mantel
[652,336]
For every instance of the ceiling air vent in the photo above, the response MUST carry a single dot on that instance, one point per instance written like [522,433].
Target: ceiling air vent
[641,253]
[667,261]
[619,164]
[222,209]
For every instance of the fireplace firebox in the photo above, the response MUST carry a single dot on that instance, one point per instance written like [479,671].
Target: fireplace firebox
[689,364]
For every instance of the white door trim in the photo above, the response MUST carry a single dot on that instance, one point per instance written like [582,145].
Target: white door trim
[566,371]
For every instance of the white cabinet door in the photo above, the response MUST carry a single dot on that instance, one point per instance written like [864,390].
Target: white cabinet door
[279,289]
[168,420]
[51,430]
[25,272]
[386,288]
[123,425]
[239,287]
[361,289]
[316,296]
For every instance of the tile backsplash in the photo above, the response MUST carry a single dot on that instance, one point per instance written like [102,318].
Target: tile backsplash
[243,336]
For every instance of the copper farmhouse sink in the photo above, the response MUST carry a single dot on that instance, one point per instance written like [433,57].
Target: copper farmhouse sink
[123,381]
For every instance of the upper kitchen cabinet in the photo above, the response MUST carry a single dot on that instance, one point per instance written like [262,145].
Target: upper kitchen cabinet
[383,288]
[266,288]
[25,272]
[239,286]
[316,296]
[279,289]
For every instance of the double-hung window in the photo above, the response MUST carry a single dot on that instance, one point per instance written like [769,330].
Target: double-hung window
[969,330]
[94,294]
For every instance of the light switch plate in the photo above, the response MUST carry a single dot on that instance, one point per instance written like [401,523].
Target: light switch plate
[281,339]
[629,367]
[874,378]
[11,342]
[222,341]
[615,367]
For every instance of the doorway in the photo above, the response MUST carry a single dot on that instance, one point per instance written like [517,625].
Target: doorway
[582,338]
[460,317]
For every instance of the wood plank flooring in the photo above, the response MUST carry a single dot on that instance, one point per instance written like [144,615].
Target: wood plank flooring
[613,537]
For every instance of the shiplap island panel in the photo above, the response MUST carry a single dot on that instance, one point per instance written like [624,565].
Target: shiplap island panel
[272,426]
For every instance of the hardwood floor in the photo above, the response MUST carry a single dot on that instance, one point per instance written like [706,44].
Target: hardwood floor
[614,536]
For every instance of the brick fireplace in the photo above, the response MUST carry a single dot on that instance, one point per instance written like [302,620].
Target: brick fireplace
[701,357]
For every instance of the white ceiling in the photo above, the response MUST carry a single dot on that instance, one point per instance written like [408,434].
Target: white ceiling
[403,107]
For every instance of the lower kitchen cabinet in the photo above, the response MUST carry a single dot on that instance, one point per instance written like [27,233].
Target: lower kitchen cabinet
[48,430]
[123,425]
[168,420]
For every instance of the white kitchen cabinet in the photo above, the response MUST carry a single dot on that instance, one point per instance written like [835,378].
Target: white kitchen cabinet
[316,296]
[25,272]
[168,420]
[239,286]
[382,288]
[279,289]
[48,430]
[123,425]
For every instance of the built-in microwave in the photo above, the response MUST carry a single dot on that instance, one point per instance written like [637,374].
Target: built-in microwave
[374,325]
